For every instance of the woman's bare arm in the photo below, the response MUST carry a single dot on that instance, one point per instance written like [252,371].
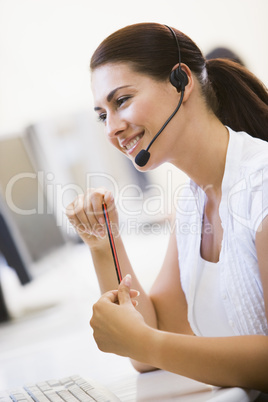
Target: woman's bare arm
[168,298]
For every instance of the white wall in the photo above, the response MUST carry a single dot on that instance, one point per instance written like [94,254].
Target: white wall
[45,45]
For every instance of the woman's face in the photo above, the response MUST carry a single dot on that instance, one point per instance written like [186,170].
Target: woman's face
[133,107]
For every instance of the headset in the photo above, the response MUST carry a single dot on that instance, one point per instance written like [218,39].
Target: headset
[179,79]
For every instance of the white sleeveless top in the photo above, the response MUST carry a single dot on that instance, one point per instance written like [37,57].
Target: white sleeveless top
[209,317]
[226,298]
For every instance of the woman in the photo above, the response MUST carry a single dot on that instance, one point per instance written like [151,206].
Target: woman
[206,315]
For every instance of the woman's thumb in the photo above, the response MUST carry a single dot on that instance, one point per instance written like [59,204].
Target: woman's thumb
[124,290]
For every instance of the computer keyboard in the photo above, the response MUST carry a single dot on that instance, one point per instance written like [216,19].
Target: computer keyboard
[69,389]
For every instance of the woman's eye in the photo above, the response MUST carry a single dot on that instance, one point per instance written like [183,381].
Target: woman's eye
[102,117]
[119,102]
[122,100]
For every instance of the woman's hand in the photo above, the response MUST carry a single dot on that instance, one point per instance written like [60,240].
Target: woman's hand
[115,321]
[86,215]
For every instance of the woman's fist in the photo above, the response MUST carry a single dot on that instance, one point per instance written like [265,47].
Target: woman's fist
[85,213]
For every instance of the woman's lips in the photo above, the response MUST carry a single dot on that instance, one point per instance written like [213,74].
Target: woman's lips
[131,144]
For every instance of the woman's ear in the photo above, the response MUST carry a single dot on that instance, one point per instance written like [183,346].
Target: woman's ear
[181,78]
[190,84]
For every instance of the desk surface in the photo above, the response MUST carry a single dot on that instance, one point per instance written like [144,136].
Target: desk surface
[57,341]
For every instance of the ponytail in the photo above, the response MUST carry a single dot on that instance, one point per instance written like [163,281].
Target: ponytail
[242,100]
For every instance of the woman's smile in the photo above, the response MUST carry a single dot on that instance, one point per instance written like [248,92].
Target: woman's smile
[130,144]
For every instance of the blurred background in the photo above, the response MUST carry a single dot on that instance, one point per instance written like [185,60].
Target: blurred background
[52,148]
[45,46]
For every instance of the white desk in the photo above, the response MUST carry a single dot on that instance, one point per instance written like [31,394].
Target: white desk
[57,342]
[161,386]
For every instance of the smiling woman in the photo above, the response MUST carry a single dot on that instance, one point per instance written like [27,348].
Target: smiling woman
[125,109]
[206,314]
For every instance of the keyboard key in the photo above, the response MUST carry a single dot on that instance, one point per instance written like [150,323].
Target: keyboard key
[18,397]
[67,396]
[80,394]
[53,396]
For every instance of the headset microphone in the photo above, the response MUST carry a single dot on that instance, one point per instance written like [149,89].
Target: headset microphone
[179,80]
[143,156]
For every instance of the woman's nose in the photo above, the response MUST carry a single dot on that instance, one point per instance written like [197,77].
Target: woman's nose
[114,125]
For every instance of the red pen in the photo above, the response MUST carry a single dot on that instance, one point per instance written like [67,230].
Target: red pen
[112,244]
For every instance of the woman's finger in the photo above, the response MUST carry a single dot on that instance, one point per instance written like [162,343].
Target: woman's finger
[72,213]
[92,205]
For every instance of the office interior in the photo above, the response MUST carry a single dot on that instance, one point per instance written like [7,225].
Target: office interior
[52,148]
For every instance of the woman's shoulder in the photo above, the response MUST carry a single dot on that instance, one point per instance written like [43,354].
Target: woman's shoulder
[247,185]
[252,152]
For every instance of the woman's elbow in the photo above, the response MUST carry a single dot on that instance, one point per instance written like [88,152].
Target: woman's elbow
[142,367]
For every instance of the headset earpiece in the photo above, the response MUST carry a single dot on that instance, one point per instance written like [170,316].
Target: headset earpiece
[179,79]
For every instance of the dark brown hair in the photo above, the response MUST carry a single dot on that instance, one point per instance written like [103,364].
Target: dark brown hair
[234,94]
